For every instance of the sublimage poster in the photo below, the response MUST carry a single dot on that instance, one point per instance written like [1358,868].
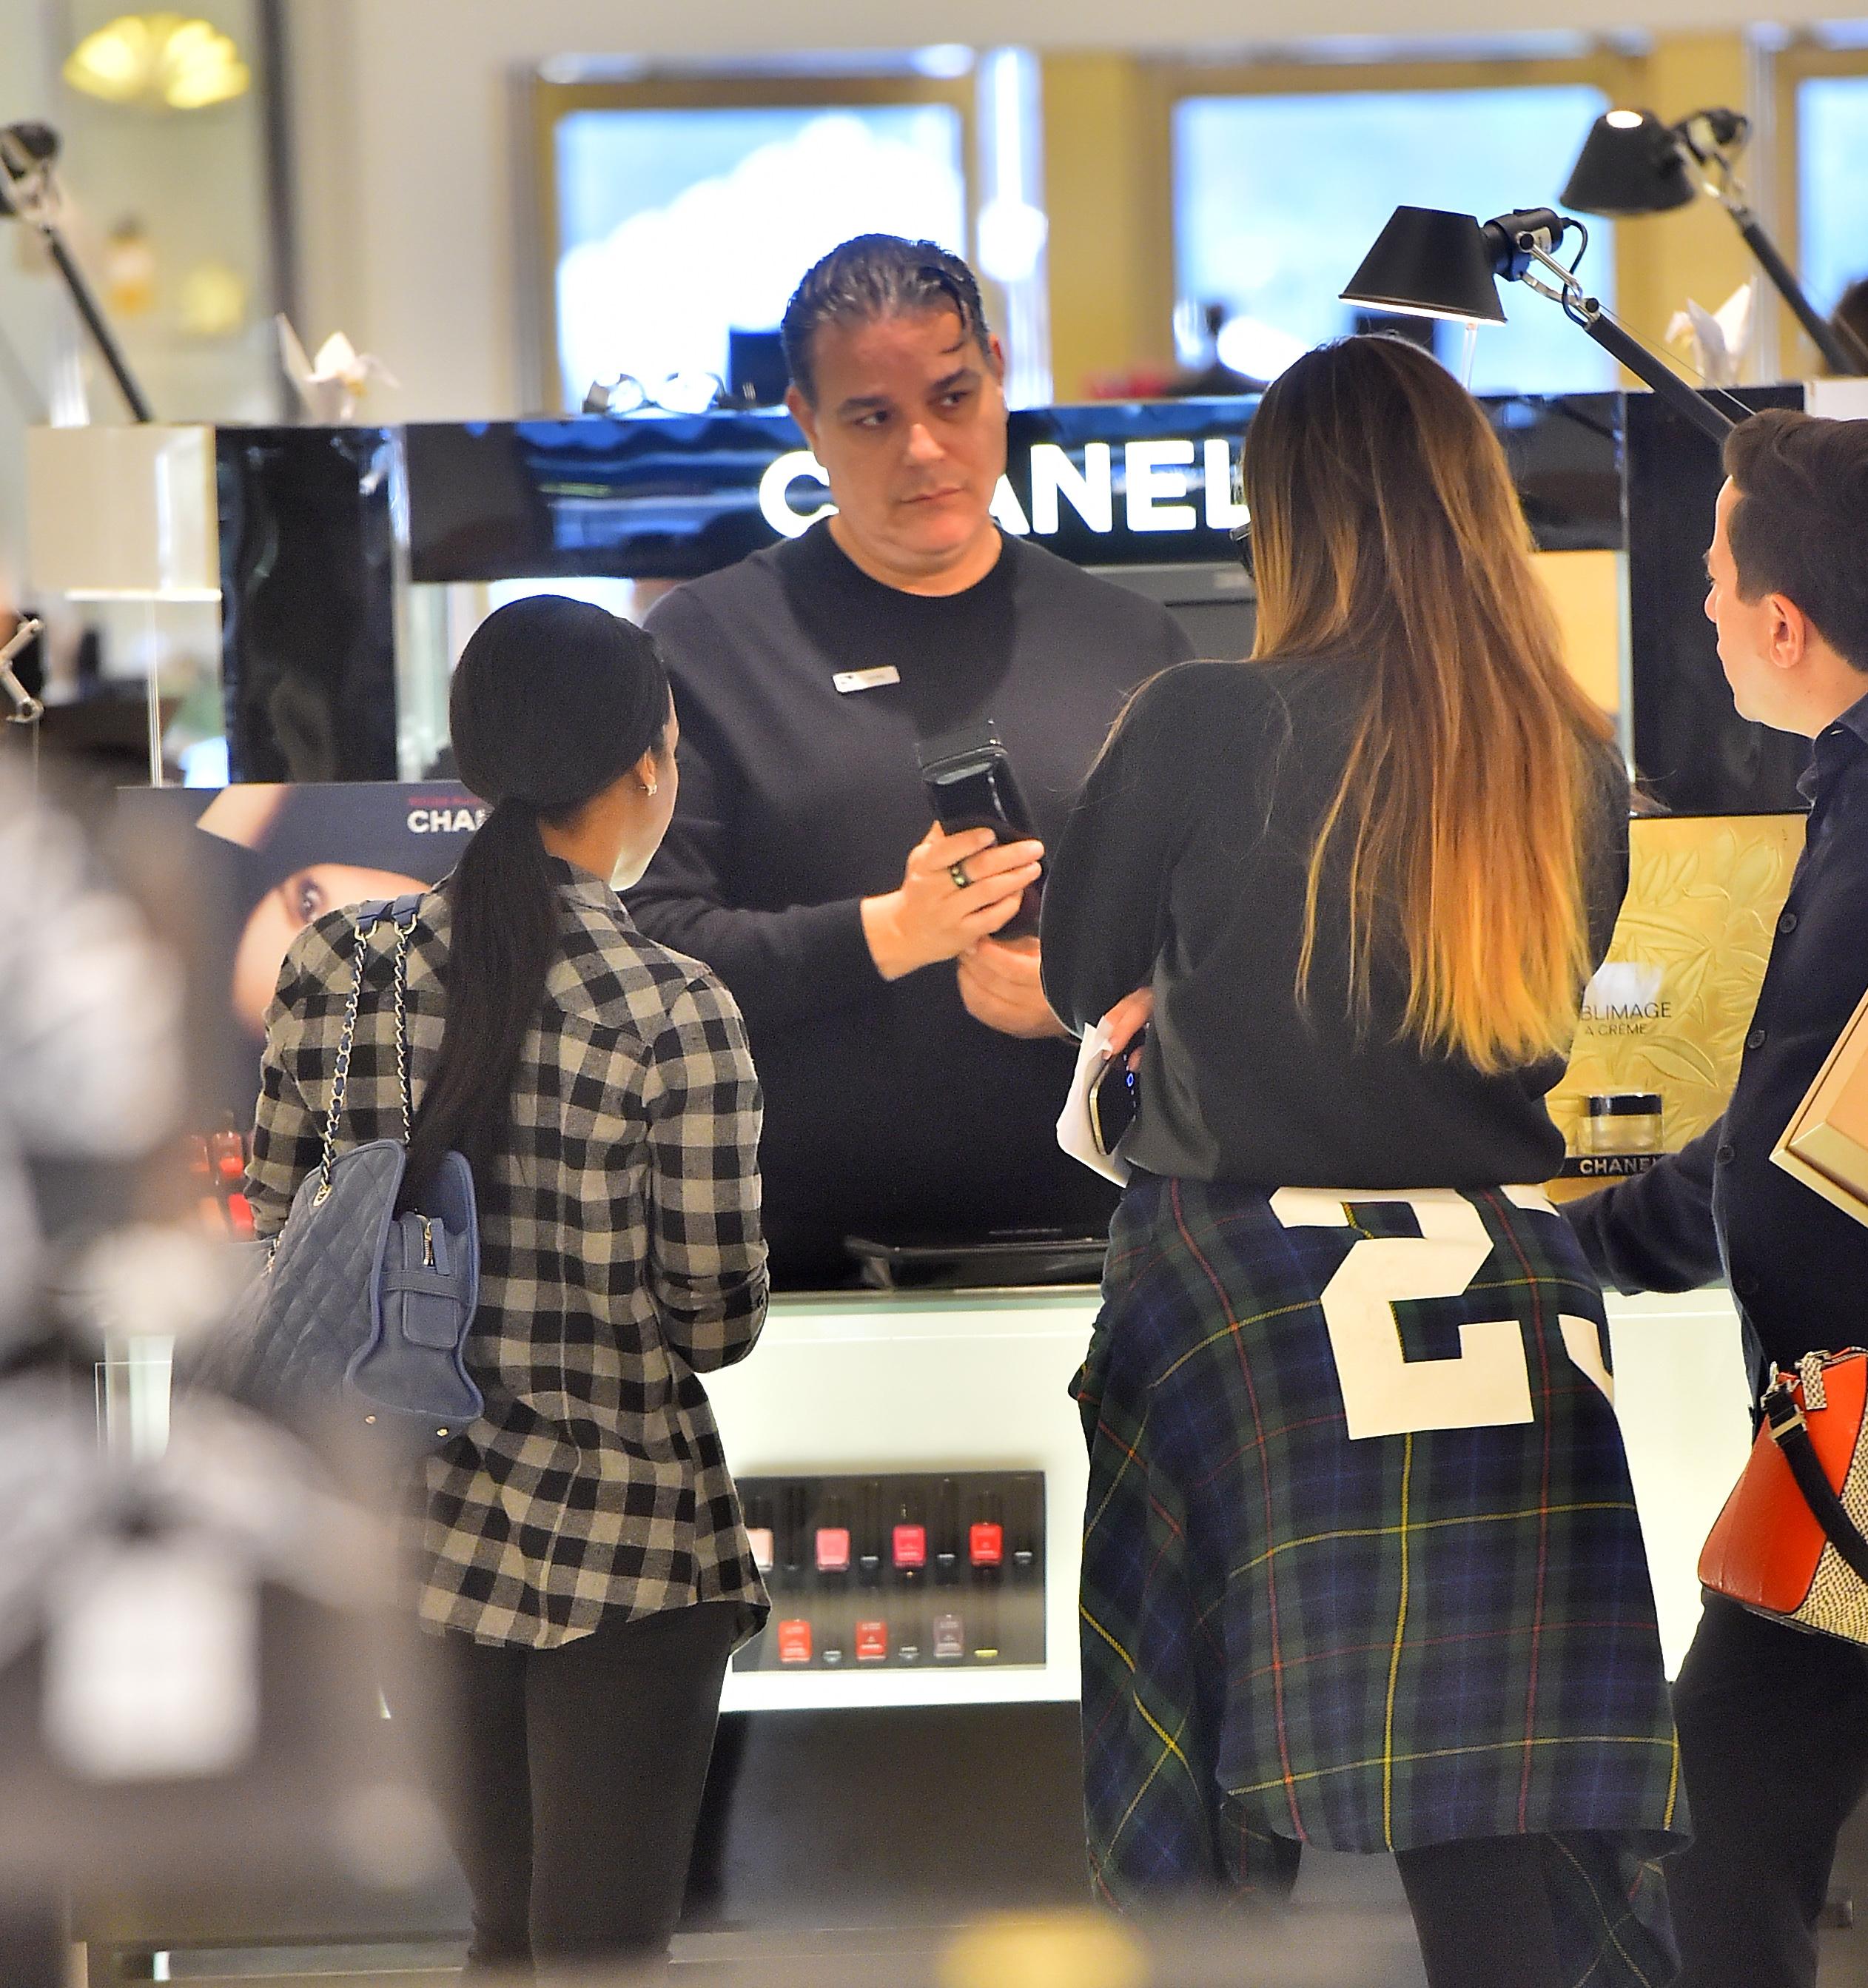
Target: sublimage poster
[1665,1017]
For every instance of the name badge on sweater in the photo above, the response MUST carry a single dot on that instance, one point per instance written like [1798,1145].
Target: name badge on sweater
[846,681]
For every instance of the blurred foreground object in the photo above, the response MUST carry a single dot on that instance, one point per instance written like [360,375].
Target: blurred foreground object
[188,1698]
[1226,1947]
[89,1030]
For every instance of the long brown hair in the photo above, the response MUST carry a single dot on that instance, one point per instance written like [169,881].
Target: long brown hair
[1385,523]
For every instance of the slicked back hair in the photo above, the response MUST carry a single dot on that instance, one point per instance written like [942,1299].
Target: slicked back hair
[872,276]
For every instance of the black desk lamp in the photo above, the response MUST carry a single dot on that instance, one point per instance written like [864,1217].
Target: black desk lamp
[1631,163]
[1433,264]
[27,190]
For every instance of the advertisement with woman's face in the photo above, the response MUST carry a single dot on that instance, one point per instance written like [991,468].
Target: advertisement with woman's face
[266,861]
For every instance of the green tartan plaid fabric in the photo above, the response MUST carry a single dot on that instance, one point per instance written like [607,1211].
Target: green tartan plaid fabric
[1291,1634]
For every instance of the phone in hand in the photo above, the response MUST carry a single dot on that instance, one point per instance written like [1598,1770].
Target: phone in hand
[967,774]
[1115,1097]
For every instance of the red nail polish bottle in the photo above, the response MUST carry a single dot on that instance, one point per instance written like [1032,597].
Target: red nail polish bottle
[908,1544]
[794,1641]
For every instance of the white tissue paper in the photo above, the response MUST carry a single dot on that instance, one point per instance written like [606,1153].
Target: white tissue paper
[1719,338]
[1074,1132]
[329,386]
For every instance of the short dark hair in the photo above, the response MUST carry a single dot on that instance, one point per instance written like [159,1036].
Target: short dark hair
[871,276]
[1800,527]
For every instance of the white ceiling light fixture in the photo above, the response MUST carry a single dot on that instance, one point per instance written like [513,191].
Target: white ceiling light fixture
[168,61]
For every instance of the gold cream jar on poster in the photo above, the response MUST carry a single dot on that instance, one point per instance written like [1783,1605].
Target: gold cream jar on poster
[1664,1019]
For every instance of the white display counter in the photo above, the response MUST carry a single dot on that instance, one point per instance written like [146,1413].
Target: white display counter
[846,1385]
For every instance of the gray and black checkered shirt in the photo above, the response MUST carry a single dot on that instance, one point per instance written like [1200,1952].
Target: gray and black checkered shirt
[620,1254]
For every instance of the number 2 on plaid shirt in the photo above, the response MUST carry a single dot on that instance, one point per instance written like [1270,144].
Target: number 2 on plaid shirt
[1384,1393]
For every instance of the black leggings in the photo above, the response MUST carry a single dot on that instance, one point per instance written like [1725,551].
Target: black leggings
[1482,1909]
[576,1782]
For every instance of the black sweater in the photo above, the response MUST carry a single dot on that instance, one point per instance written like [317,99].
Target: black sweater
[889,1109]
[1183,867]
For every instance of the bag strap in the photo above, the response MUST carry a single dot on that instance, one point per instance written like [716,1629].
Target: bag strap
[1789,1431]
[400,912]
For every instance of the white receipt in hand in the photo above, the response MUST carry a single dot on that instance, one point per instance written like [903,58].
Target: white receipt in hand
[1074,1134]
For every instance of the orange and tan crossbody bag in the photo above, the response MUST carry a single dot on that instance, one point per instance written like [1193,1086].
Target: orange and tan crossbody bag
[1789,1544]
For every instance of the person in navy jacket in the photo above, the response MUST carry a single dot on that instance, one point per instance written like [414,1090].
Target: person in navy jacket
[1773,1723]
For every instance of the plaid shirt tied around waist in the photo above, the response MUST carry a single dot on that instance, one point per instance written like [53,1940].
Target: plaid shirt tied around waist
[1362,1566]
[621,1255]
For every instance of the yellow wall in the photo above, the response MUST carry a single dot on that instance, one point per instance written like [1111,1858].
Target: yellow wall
[1105,170]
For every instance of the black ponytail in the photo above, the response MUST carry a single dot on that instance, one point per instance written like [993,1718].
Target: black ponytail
[553,700]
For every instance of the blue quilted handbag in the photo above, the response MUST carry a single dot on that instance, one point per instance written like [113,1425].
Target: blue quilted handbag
[361,1313]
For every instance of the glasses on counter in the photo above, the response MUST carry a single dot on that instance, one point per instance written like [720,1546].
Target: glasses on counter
[679,393]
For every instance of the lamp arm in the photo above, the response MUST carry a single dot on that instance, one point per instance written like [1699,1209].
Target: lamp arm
[1840,351]
[1586,313]
[29,194]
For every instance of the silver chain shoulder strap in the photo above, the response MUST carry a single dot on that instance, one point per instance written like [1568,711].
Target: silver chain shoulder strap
[366,924]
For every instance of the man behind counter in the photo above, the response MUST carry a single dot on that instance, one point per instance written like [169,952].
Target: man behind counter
[913,1073]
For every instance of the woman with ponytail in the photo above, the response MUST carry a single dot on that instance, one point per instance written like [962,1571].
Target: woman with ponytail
[579,1552]
[1362,1567]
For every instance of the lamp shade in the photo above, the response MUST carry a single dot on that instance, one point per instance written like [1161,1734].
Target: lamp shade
[1431,263]
[122,513]
[1630,164]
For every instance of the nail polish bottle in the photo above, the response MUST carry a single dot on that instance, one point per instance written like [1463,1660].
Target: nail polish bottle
[986,1536]
[833,1615]
[869,1541]
[947,1541]
[830,1544]
[1023,1535]
[794,1509]
[759,1535]
[949,1642]
[910,1616]
[986,1555]
[872,1640]
[908,1544]
[795,1642]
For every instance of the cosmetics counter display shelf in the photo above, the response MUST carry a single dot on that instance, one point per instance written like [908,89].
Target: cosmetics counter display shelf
[971,1388]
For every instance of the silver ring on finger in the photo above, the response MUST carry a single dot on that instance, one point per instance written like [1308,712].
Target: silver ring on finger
[958,872]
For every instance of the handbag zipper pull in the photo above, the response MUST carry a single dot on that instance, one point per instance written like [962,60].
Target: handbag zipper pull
[427,1243]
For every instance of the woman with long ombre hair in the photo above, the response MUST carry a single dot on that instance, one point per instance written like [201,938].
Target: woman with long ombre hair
[1362,1567]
